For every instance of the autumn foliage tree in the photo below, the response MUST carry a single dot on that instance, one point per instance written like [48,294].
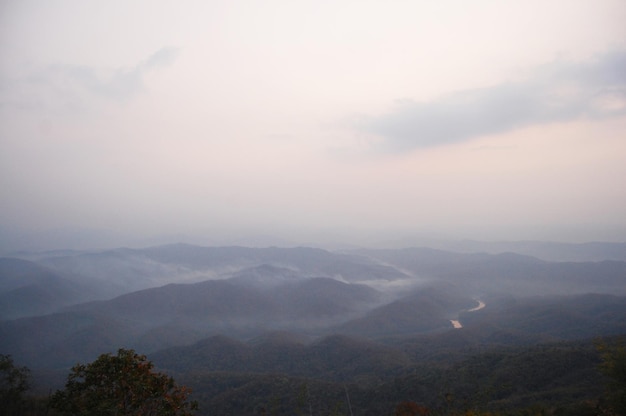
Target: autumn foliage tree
[410,409]
[122,384]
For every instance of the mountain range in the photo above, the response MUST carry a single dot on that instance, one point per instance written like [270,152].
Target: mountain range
[354,316]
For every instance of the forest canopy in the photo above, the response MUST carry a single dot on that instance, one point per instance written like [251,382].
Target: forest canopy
[122,384]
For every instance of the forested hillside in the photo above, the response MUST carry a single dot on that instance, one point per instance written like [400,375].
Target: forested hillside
[288,331]
[235,378]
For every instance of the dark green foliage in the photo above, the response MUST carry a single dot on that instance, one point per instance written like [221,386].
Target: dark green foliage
[333,358]
[13,385]
[269,394]
[121,385]
[614,367]
[556,379]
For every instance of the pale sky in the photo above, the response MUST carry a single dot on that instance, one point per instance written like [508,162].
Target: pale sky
[181,116]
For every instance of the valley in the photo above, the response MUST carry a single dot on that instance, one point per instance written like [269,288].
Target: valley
[248,327]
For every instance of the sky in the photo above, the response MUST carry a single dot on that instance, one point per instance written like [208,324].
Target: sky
[483,119]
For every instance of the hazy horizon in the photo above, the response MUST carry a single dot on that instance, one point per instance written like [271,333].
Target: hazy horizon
[19,241]
[368,121]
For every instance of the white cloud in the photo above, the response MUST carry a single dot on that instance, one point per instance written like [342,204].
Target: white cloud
[66,87]
[554,93]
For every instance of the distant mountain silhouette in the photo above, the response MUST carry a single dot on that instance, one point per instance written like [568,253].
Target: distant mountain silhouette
[545,250]
[506,272]
[124,270]
[29,289]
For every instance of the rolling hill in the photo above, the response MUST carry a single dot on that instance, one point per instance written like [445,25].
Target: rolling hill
[234,321]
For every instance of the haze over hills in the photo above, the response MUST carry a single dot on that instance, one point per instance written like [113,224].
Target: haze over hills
[545,250]
[506,272]
[28,288]
[15,242]
[355,316]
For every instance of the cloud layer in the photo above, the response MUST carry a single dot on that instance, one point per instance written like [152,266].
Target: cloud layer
[554,93]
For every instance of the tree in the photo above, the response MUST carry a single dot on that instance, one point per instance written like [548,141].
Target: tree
[121,385]
[614,366]
[13,384]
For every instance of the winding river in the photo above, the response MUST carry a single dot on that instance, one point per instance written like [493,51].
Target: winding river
[455,322]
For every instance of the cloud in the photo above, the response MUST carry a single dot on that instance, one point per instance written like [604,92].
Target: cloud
[161,58]
[554,93]
[63,86]
[122,83]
